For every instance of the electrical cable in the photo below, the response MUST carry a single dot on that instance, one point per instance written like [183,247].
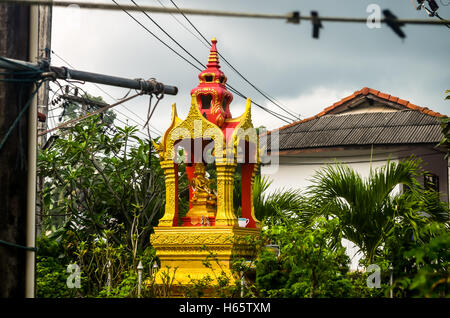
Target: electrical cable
[279,116]
[22,66]
[164,31]
[207,45]
[19,116]
[235,70]
[155,36]
[350,162]
[287,17]
[241,95]
[182,13]
[96,112]
[33,249]
[113,98]
[432,13]
[439,17]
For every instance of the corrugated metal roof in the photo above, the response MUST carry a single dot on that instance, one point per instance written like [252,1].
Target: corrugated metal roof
[304,127]
[399,127]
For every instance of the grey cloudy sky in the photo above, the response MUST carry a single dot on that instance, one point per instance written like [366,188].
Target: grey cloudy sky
[304,74]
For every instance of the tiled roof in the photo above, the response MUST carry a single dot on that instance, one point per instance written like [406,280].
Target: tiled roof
[407,124]
[364,92]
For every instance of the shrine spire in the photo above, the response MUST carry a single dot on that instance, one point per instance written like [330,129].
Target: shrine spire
[213,60]
[212,96]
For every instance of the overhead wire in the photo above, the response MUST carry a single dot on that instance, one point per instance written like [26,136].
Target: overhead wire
[182,13]
[431,11]
[291,113]
[96,112]
[186,28]
[19,116]
[166,33]
[354,161]
[154,129]
[156,37]
[441,18]
[292,17]
[279,116]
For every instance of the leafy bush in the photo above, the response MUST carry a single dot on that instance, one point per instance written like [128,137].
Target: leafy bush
[312,263]
[51,275]
[430,263]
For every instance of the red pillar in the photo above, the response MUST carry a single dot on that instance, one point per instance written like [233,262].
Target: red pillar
[175,217]
[246,184]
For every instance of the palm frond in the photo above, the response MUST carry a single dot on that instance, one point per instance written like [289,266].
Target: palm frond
[365,207]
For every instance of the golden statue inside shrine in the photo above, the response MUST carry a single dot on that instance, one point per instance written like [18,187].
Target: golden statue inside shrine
[211,220]
[203,200]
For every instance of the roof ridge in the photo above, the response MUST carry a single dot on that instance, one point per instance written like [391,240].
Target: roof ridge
[364,92]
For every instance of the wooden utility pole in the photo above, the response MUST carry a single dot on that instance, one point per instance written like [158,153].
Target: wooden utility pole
[44,49]
[14,43]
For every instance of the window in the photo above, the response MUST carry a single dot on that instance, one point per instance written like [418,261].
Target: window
[208,78]
[206,101]
[431,182]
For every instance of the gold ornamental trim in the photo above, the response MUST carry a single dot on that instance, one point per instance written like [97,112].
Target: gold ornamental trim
[177,236]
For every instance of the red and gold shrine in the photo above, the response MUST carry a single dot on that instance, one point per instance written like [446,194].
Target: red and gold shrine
[208,137]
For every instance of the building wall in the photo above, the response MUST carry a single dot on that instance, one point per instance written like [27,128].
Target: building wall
[435,163]
[296,172]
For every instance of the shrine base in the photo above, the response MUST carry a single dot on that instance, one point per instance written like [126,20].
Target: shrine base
[187,248]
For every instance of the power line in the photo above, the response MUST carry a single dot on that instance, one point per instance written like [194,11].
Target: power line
[165,44]
[155,36]
[187,29]
[19,116]
[113,98]
[87,100]
[238,93]
[293,17]
[235,70]
[96,112]
[164,31]
[355,161]
[279,116]
[182,13]
[432,10]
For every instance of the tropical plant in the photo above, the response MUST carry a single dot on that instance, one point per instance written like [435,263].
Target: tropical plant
[420,265]
[275,206]
[312,262]
[445,128]
[369,209]
[97,181]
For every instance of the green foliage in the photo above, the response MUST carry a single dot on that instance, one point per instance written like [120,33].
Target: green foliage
[368,208]
[51,276]
[97,182]
[104,192]
[74,110]
[274,207]
[312,262]
[445,128]
[125,289]
[428,261]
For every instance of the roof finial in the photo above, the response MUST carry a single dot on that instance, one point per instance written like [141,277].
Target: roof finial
[213,60]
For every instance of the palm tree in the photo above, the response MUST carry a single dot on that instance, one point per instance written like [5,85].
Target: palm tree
[368,208]
[277,205]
